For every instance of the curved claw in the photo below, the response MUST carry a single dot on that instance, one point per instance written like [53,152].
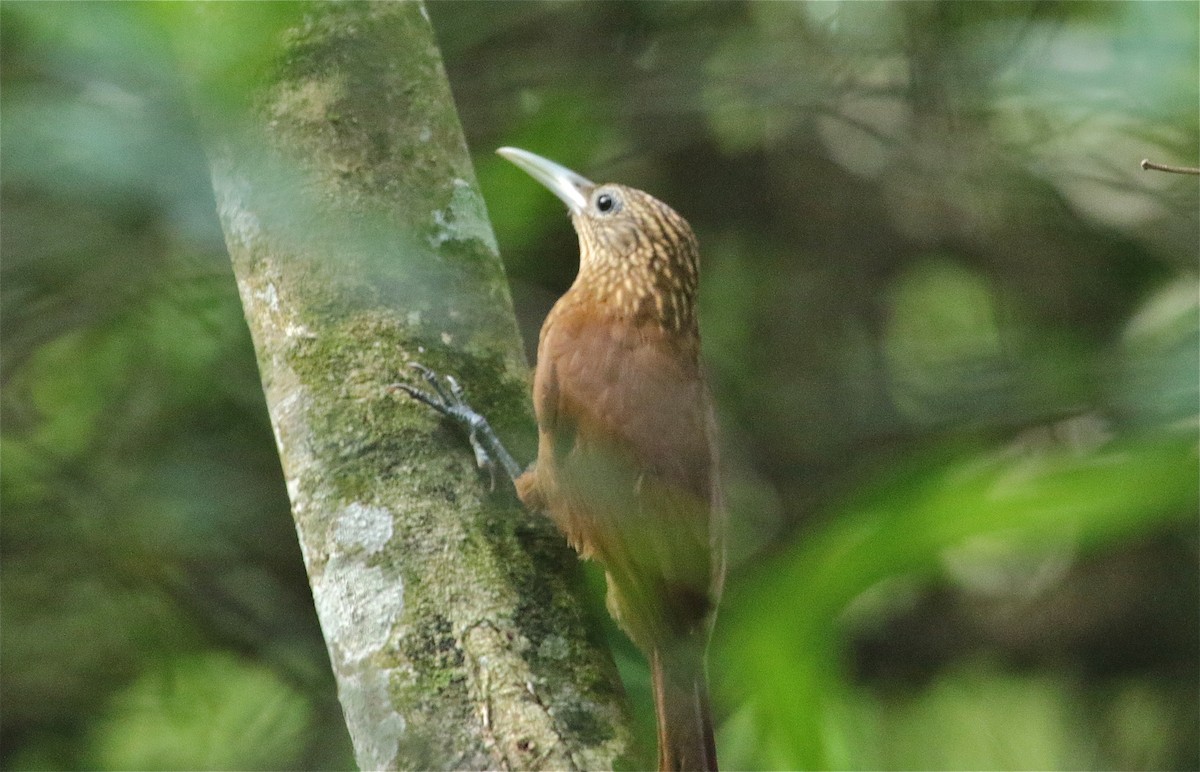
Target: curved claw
[449,399]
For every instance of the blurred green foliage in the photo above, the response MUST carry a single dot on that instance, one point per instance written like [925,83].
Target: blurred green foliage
[155,610]
[952,328]
[211,711]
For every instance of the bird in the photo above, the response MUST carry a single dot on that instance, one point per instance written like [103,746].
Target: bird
[627,465]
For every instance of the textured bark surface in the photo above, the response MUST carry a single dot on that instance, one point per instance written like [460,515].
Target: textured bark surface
[360,242]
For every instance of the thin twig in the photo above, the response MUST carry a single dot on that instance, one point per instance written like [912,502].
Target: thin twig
[1148,164]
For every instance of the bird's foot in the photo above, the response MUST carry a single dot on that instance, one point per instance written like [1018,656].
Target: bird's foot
[445,395]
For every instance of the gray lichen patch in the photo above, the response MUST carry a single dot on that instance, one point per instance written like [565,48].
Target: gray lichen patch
[358,605]
[363,527]
[366,702]
[464,219]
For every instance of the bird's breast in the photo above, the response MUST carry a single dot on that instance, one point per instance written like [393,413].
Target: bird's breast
[618,387]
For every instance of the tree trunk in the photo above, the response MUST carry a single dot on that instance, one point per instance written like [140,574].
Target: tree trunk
[360,243]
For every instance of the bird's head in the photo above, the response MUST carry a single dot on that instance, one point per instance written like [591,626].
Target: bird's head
[636,254]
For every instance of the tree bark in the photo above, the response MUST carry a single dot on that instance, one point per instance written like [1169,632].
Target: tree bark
[360,243]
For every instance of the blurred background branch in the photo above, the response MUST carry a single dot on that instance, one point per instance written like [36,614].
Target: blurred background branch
[951,326]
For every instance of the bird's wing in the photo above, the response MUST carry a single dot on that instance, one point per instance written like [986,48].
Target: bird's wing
[627,461]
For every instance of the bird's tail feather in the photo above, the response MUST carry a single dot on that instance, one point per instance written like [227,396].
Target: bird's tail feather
[685,730]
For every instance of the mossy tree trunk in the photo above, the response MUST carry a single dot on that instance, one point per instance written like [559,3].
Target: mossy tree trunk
[360,243]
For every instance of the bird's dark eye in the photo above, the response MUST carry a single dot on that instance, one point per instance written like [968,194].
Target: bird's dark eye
[605,202]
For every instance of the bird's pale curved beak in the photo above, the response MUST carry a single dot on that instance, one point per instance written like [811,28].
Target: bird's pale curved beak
[572,188]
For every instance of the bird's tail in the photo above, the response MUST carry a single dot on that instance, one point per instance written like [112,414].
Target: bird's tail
[685,730]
